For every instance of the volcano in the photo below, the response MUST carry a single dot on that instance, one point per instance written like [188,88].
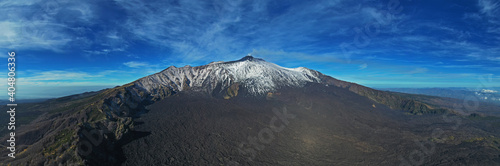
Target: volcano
[253,112]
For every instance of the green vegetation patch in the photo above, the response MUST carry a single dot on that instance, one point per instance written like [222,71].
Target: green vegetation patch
[61,138]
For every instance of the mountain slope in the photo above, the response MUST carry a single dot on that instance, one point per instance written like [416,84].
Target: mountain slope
[204,106]
[327,126]
[257,77]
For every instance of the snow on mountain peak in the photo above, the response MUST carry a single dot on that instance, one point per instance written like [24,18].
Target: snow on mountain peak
[255,74]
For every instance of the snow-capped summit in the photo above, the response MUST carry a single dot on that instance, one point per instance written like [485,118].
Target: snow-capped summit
[256,75]
[249,57]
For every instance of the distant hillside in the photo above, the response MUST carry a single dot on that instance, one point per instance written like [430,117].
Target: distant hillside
[490,95]
[3,102]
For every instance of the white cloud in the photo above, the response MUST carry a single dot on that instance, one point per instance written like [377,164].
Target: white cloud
[462,66]
[135,64]
[284,56]
[222,30]
[202,36]
[216,29]
[472,16]
[31,25]
[488,7]
[363,66]
[32,35]
[491,11]
[58,75]
[55,25]
[418,71]
[61,77]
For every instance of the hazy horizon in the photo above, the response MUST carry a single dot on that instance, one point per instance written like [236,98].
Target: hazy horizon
[74,90]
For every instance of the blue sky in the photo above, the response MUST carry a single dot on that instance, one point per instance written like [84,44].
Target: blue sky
[66,46]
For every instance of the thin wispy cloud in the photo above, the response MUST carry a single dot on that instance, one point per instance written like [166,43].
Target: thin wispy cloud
[490,10]
[363,66]
[488,7]
[418,71]
[134,64]
[41,79]
[60,75]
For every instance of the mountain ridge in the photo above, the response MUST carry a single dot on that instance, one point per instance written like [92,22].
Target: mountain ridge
[257,75]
